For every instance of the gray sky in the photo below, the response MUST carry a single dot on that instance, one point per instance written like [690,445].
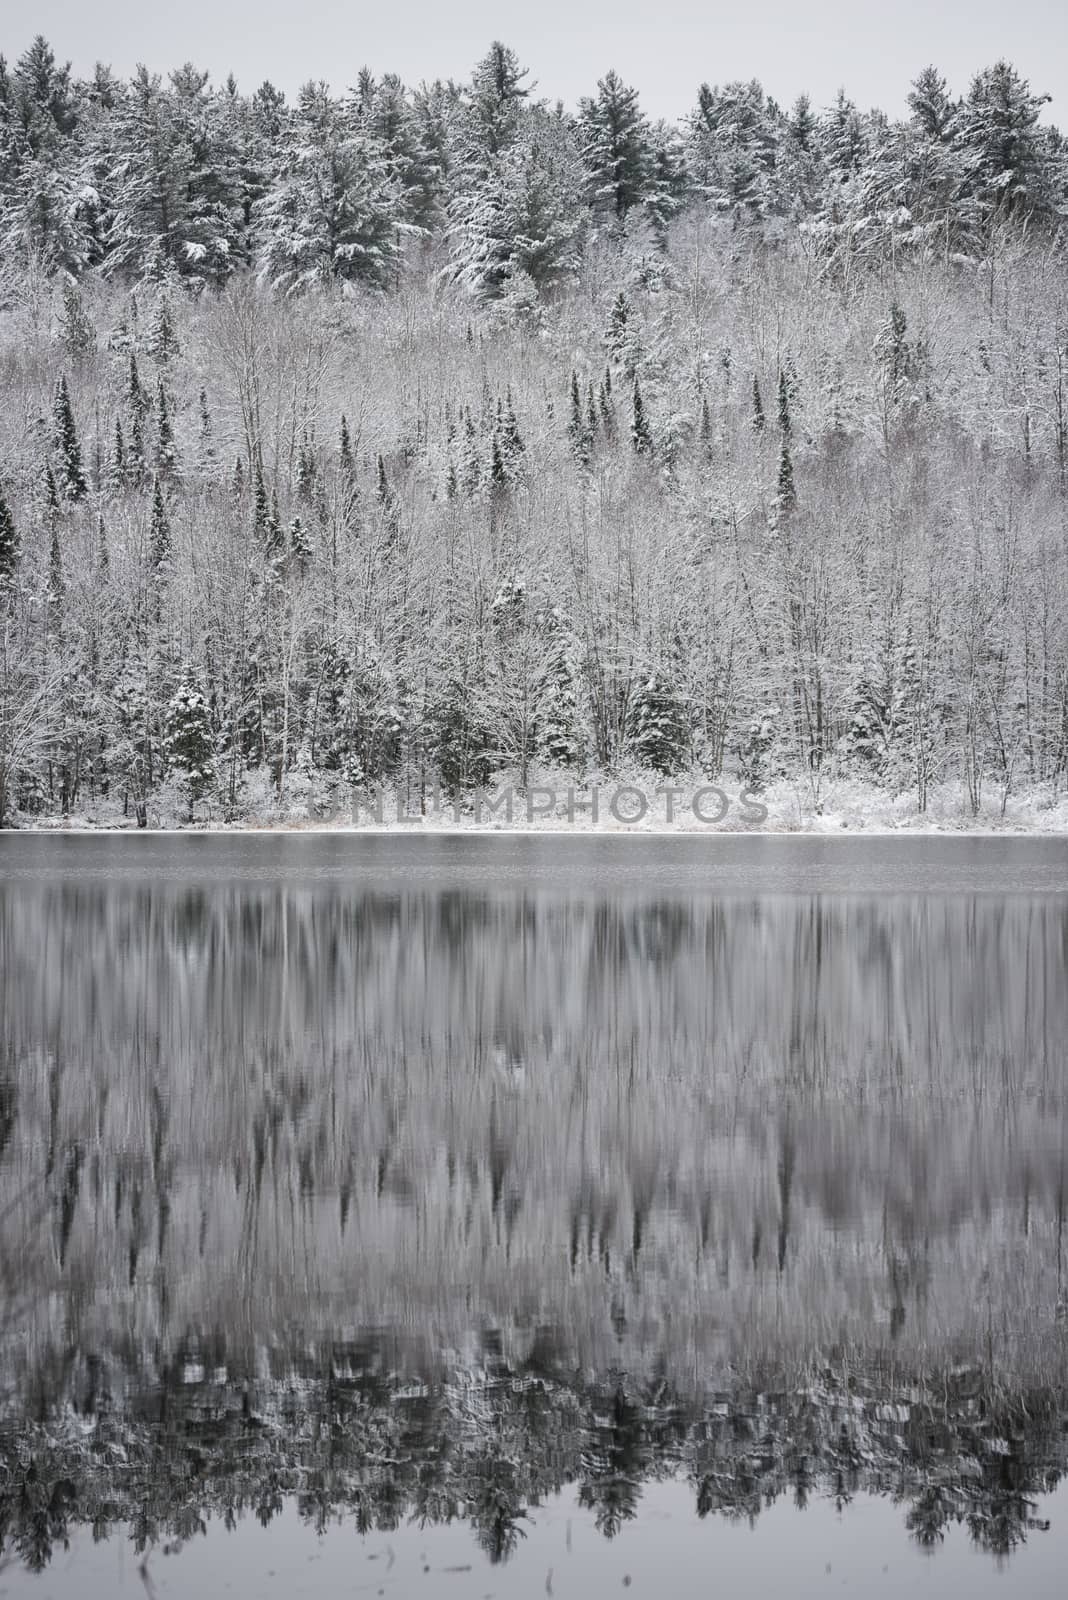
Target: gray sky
[665,47]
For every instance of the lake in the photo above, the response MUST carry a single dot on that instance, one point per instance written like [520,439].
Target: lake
[526,1215]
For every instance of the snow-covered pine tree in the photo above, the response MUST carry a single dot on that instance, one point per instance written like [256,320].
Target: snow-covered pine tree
[335,210]
[72,481]
[189,738]
[616,148]
[658,730]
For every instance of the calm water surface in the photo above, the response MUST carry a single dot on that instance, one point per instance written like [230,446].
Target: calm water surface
[532,1215]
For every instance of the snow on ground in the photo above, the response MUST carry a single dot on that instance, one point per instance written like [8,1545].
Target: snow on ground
[635,804]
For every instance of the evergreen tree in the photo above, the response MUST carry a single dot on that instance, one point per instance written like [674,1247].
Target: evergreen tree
[640,436]
[348,463]
[786,492]
[659,733]
[57,587]
[9,544]
[930,104]
[261,506]
[189,739]
[560,738]
[616,147]
[759,420]
[163,341]
[166,454]
[136,457]
[159,533]
[784,404]
[495,102]
[65,438]
[997,126]
[334,210]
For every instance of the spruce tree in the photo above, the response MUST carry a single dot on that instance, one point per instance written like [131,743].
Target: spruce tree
[117,464]
[189,740]
[307,468]
[348,463]
[786,493]
[136,398]
[166,454]
[784,404]
[50,493]
[103,556]
[640,436]
[73,481]
[159,535]
[658,730]
[759,420]
[136,455]
[57,587]
[261,506]
[163,336]
[706,425]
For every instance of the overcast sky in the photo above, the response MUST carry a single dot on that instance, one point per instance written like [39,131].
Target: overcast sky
[665,47]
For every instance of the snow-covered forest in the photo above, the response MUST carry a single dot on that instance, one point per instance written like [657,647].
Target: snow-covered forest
[444,432]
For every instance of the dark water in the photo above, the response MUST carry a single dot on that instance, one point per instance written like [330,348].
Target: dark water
[526,1216]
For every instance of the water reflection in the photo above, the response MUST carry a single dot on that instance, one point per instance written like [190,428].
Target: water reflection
[431,1201]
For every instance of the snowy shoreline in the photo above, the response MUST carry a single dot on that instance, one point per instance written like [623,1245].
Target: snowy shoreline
[848,810]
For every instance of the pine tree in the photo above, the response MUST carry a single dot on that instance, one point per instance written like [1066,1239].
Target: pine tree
[189,739]
[616,147]
[640,436]
[334,210]
[65,438]
[997,126]
[496,100]
[9,544]
[659,733]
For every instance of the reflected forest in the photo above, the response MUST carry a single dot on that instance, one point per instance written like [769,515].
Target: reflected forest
[427,1203]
